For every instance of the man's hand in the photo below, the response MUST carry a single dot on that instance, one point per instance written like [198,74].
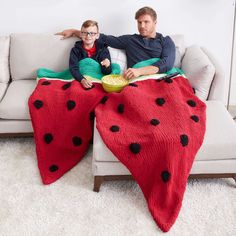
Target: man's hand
[131,73]
[86,83]
[69,33]
[106,62]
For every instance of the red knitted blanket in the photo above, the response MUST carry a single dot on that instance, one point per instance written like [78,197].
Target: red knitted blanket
[154,128]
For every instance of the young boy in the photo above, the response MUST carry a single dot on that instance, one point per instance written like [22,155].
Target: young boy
[89,47]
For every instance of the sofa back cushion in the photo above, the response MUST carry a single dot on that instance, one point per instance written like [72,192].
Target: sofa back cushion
[118,56]
[199,70]
[28,52]
[180,47]
[4,56]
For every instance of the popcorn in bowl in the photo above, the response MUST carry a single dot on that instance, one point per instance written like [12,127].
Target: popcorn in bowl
[114,83]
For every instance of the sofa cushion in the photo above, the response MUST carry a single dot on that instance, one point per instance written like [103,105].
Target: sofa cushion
[219,141]
[14,104]
[199,70]
[4,56]
[29,52]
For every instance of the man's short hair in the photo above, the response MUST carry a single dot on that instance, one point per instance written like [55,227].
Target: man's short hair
[146,11]
[89,23]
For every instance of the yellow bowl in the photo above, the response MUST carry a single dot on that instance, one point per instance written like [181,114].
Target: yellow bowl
[114,83]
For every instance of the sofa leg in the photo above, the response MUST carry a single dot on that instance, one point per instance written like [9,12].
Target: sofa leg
[97,183]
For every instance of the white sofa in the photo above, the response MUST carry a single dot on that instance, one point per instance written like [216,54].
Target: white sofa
[217,156]
[22,54]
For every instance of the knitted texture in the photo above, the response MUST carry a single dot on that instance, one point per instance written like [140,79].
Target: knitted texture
[154,127]
[156,135]
[62,115]
[87,66]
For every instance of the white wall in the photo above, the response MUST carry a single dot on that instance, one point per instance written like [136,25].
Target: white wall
[205,22]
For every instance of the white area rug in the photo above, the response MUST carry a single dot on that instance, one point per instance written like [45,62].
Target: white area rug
[70,207]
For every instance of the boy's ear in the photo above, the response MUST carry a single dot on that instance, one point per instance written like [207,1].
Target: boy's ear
[98,35]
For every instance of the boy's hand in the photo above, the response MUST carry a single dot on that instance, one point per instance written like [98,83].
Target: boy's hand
[86,83]
[106,62]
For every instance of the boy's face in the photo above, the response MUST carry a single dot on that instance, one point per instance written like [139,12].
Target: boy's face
[89,35]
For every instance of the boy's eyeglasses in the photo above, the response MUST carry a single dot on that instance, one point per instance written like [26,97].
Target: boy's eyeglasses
[91,34]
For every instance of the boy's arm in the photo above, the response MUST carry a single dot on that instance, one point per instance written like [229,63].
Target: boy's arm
[105,55]
[74,64]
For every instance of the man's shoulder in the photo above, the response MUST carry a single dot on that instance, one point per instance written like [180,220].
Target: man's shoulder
[163,38]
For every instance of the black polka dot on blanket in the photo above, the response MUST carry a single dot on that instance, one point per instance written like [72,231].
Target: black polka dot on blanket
[195,118]
[135,148]
[53,168]
[66,86]
[92,115]
[77,141]
[71,105]
[165,175]
[120,108]
[160,101]
[46,83]
[114,128]
[168,80]
[191,103]
[133,85]
[48,138]
[155,122]
[104,99]
[184,139]
[38,104]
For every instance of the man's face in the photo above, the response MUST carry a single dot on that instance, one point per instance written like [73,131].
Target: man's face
[146,26]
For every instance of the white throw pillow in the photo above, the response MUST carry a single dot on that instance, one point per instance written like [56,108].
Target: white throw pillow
[199,70]
[4,56]
[118,56]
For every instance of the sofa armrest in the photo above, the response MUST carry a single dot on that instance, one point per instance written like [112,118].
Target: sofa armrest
[217,89]
[4,59]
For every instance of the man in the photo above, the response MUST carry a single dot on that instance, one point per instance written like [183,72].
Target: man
[139,47]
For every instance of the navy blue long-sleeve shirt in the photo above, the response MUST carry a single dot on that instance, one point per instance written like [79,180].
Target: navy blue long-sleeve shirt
[138,49]
[78,53]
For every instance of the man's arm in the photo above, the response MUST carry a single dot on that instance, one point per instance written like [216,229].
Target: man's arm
[167,58]
[69,33]
[115,42]
[112,41]
[131,73]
